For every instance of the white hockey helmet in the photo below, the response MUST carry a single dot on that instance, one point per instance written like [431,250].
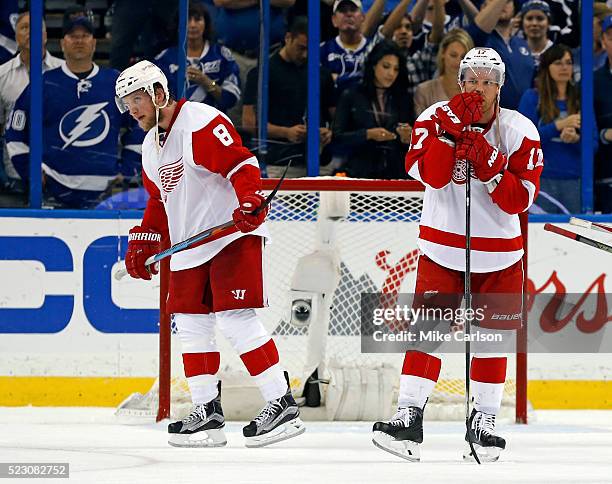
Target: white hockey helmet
[483,58]
[143,75]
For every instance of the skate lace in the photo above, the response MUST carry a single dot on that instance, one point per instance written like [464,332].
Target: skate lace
[484,423]
[403,417]
[268,411]
[198,413]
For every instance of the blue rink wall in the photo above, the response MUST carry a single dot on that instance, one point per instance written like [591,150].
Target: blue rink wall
[70,335]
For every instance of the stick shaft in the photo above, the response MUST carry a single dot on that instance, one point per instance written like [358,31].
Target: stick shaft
[219,230]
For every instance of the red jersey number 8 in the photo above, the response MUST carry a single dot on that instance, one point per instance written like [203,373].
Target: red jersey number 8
[221,132]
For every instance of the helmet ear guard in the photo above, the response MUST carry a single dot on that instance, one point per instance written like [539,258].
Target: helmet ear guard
[142,75]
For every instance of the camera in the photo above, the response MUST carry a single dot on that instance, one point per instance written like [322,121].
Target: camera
[301,310]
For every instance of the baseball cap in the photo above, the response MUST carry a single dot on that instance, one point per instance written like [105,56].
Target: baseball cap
[337,3]
[76,16]
[535,5]
[607,23]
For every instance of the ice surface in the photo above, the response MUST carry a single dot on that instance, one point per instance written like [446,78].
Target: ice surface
[569,446]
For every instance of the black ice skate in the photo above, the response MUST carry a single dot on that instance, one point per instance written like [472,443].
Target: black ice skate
[278,420]
[481,431]
[203,427]
[402,434]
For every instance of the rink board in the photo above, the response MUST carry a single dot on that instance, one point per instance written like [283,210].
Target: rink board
[71,333]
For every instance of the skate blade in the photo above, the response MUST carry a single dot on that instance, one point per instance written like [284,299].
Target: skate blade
[204,438]
[485,454]
[406,449]
[288,430]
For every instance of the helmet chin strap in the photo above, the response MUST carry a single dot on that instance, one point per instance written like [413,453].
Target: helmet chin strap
[157,108]
[157,127]
[497,111]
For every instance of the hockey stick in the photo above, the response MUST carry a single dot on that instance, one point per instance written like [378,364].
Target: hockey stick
[587,224]
[577,237]
[206,234]
[467,285]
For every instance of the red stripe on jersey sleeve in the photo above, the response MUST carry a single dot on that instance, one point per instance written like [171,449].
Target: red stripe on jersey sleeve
[218,147]
[435,159]
[526,163]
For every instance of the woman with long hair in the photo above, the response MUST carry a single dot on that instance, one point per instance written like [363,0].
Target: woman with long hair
[374,118]
[554,107]
[455,44]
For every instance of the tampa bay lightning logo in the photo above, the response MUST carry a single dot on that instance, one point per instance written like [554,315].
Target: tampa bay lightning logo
[84,126]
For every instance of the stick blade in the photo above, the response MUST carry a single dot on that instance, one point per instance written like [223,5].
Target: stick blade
[578,222]
[120,274]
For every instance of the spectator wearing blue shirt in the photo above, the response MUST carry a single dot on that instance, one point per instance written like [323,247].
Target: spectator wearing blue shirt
[344,56]
[554,107]
[600,12]
[389,5]
[603,118]
[212,74]
[492,28]
[237,24]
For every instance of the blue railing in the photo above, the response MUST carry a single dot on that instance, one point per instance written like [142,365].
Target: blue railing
[586,100]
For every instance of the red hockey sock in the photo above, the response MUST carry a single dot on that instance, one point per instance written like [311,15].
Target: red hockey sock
[201,363]
[487,377]
[488,370]
[262,364]
[201,372]
[260,359]
[419,376]
[422,364]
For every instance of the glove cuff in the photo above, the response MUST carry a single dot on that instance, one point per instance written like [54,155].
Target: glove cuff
[493,182]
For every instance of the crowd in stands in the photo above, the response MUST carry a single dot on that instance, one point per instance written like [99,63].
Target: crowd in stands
[383,62]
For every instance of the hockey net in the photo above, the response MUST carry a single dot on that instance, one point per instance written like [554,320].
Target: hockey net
[367,231]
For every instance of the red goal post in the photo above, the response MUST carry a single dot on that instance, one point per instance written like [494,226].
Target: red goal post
[370,202]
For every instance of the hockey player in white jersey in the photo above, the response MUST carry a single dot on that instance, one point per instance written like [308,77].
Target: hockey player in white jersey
[503,149]
[199,175]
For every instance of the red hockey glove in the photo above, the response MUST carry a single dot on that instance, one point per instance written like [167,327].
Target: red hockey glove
[245,222]
[486,160]
[142,244]
[461,111]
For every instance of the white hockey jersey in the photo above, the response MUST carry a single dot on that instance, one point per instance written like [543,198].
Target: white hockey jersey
[496,241]
[190,174]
